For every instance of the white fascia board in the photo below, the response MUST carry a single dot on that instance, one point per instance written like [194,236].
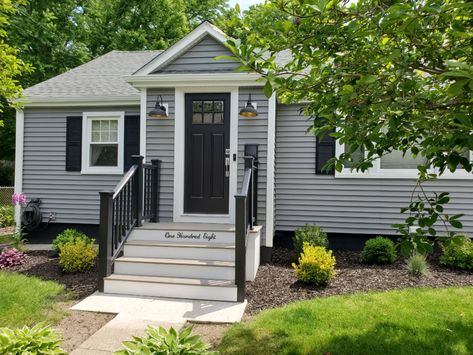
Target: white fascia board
[187,80]
[181,46]
[81,101]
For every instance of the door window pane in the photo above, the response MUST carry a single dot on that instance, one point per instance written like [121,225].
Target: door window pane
[207,112]
[208,117]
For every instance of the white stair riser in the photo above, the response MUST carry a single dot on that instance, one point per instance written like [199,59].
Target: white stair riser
[183,236]
[174,270]
[147,251]
[153,289]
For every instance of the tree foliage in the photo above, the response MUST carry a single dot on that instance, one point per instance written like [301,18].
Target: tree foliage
[387,74]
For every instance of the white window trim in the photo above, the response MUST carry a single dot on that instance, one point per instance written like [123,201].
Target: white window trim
[87,118]
[376,172]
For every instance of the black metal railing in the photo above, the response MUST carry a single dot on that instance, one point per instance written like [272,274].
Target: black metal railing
[133,200]
[245,218]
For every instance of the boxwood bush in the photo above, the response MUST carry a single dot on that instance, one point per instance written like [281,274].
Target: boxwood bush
[311,234]
[458,253]
[379,251]
[316,265]
[70,236]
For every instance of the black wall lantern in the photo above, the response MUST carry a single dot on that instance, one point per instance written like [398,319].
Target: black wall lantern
[159,110]
[249,110]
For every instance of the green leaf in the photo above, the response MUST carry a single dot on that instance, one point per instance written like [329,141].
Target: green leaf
[367,79]
[268,89]
[456,224]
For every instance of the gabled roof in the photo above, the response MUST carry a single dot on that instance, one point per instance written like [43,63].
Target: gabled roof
[192,38]
[102,77]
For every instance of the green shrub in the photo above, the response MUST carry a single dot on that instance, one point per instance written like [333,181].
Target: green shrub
[37,340]
[458,253]
[417,265]
[379,251]
[162,341]
[313,235]
[70,236]
[316,265]
[77,257]
[7,216]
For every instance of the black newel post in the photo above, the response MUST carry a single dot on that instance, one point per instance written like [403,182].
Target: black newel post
[252,150]
[250,164]
[155,190]
[240,246]
[138,189]
[105,236]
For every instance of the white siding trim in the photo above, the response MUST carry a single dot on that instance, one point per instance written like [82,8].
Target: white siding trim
[179,156]
[181,46]
[186,80]
[19,136]
[270,171]
[81,101]
[143,116]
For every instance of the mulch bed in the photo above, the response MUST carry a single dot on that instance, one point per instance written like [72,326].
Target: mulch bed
[276,283]
[44,265]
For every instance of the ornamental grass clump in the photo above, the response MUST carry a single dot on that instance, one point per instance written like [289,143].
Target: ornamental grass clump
[379,251]
[11,257]
[38,340]
[77,257]
[458,253]
[417,265]
[162,341]
[316,265]
[313,235]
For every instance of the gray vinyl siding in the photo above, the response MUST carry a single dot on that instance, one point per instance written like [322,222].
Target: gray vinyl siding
[160,145]
[254,130]
[342,205]
[72,196]
[201,58]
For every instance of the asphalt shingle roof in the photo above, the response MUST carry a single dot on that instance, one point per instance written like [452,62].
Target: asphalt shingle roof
[102,77]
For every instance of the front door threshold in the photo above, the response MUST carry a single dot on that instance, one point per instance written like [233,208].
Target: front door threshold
[204,218]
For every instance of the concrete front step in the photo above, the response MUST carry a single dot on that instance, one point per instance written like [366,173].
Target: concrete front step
[189,268]
[176,250]
[172,287]
[185,232]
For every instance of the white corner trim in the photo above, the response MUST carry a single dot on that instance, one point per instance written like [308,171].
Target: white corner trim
[270,171]
[19,140]
[87,118]
[182,45]
[186,80]
[143,116]
[179,155]
[82,101]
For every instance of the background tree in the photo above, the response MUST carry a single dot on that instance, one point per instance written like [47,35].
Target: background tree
[386,74]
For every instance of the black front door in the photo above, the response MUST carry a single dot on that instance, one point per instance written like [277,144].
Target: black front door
[207,148]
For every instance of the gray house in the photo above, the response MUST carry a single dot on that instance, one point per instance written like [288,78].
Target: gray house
[190,171]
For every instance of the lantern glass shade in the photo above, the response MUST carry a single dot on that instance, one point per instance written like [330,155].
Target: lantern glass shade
[249,110]
[159,110]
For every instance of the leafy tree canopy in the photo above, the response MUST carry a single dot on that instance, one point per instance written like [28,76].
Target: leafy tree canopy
[387,74]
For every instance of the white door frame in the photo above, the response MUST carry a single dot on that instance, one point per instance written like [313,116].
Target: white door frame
[179,155]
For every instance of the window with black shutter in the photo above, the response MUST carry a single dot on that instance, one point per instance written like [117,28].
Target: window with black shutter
[132,140]
[324,151]
[73,143]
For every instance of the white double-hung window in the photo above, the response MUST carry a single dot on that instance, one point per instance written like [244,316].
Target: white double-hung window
[102,142]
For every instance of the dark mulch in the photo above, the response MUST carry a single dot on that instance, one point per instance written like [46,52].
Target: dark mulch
[276,283]
[44,264]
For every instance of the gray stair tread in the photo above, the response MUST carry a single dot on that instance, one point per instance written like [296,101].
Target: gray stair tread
[171,280]
[191,262]
[193,227]
[156,243]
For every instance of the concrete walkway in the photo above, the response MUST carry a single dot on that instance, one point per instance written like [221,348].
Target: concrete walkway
[136,313]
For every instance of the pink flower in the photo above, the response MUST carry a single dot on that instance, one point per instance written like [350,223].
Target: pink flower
[14,199]
[18,199]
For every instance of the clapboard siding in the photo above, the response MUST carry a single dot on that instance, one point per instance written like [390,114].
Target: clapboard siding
[342,205]
[201,58]
[254,130]
[72,196]
[160,145]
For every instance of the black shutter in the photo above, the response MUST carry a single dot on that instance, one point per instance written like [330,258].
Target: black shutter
[324,151]
[73,143]
[132,140]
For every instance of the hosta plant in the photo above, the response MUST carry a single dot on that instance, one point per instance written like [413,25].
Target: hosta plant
[169,342]
[11,257]
[37,340]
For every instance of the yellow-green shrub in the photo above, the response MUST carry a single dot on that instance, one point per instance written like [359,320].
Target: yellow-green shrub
[77,257]
[316,265]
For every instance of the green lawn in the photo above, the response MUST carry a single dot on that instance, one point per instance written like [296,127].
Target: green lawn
[28,300]
[411,321]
